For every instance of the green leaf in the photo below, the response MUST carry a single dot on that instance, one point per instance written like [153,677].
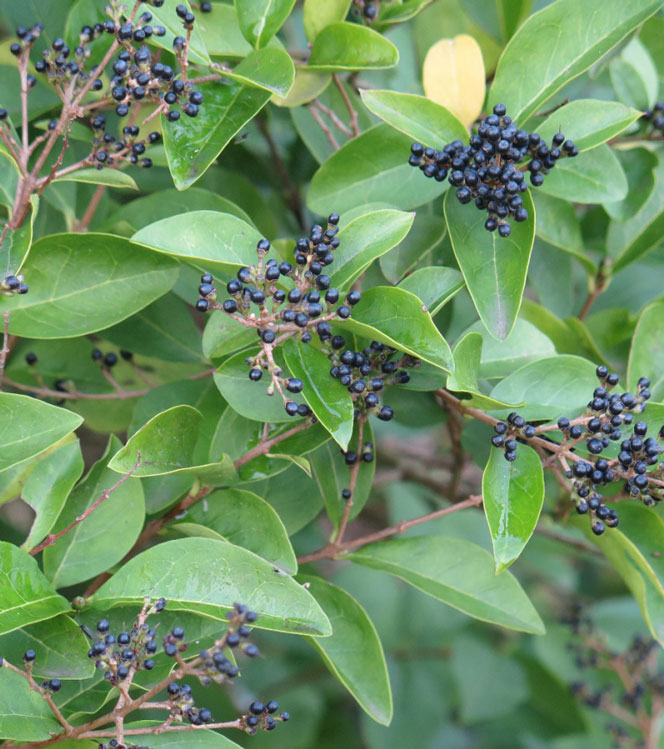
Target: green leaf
[513,497]
[246,520]
[392,13]
[634,75]
[261,19]
[106,535]
[61,647]
[627,241]
[332,476]
[9,176]
[594,176]
[349,46]
[271,69]
[182,740]
[327,398]
[371,168]
[30,426]
[48,487]
[81,283]
[432,564]
[222,34]
[366,238]
[418,117]
[353,653]
[552,387]
[307,86]
[318,14]
[108,177]
[167,446]
[249,398]
[192,146]
[646,356]
[171,22]
[558,225]
[26,596]
[435,286]
[207,577]
[589,122]
[494,268]
[426,234]
[223,335]
[210,241]
[553,47]
[164,330]
[396,317]
[24,714]
[639,165]
[17,242]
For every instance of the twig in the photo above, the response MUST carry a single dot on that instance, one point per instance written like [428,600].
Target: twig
[53,537]
[5,346]
[349,105]
[326,130]
[84,223]
[333,116]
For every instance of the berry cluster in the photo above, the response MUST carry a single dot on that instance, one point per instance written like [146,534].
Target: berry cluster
[490,169]
[259,298]
[508,434]
[368,9]
[110,359]
[107,150]
[14,285]
[260,716]
[655,116]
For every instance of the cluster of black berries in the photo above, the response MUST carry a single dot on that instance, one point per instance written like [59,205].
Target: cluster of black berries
[655,116]
[510,432]
[110,359]
[50,686]
[14,285]
[261,716]
[368,9]
[115,744]
[107,150]
[487,170]
[259,298]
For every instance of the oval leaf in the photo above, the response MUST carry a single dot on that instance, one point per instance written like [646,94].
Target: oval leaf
[24,714]
[270,68]
[513,496]
[435,286]
[261,19]
[207,577]
[108,177]
[349,46]
[354,653]
[458,573]
[646,355]
[318,14]
[495,268]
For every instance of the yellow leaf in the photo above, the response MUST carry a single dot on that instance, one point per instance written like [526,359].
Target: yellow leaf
[453,76]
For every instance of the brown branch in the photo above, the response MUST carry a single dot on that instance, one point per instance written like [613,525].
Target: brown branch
[326,130]
[84,223]
[349,105]
[155,730]
[333,116]
[53,537]
[264,446]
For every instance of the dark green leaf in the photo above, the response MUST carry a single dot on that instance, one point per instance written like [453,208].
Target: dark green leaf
[30,426]
[398,318]
[106,535]
[553,47]
[638,165]
[24,714]
[327,398]
[192,146]
[435,286]
[427,233]
[26,596]
[223,335]
[349,46]
[494,267]
[17,242]
[108,177]
[83,283]
[458,573]
[207,577]
[261,19]
[646,356]
[353,653]
[513,496]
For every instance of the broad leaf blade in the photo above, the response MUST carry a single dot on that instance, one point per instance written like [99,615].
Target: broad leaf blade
[270,68]
[108,177]
[495,268]
[261,19]
[349,46]
[435,286]
[646,356]
[24,714]
[513,496]
[458,573]
[207,577]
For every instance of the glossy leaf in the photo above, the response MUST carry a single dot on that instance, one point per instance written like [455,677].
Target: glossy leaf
[392,13]
[435,286]
[369,169]
[328,399]
[426,234]
[594,176]
[307,86]
[419,118]
[453,75]
[110,530]
[83,283]
[193,145]
[634,76]
[48,486]
[24,714]
[108,177]
[207,577]
[61,646]
[167,446]
[30,426]
[588,122]
[553,47]
[397,318]
[164,16]
[349,46]
[17,242]
[432,564]
[26,596]
[261,19]
[513,497]
[182,740]
[245,519]
[354,653]
[318,14]
[639,165]
[552,387]
[646,356]
[223,335]
[271,69]
[210,241]
[494,267]
[365,239]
